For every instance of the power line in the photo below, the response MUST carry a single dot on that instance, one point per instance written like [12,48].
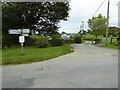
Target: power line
[99,8]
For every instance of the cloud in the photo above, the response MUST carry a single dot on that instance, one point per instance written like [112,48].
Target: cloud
[82,10]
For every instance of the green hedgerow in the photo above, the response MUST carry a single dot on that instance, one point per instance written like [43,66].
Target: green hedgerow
[41,41]
[56,40]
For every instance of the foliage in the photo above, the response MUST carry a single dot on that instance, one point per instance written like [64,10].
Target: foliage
[64,33]
[29,41]
[35,36]
[90,37]
[114,31]
[41,41]
[118,34]
[71,37]
[43,16]
[89,31]
[98,25]
[77,39]
[78,34]
[10,41]
[32,54]
[56,40]
[69,41]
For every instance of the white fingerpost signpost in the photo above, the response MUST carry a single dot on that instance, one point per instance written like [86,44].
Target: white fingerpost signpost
[22,40]
[23,32]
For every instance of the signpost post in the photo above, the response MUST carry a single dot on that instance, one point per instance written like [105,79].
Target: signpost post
[22,49]
[22,40]
[23,32]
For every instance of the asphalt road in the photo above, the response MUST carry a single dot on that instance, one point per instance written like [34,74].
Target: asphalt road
[87,67]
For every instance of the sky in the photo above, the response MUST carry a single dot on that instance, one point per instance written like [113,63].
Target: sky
[82,10]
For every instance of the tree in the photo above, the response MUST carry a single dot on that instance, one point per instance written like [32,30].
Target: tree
[89,31]
[98,25]
[114,31]
[11,19]
[42,16]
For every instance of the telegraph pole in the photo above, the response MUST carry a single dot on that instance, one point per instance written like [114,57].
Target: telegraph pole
[107,23]
[81,31]
[119,14]
[82,28]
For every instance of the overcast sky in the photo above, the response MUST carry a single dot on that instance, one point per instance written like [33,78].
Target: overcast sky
[82,10]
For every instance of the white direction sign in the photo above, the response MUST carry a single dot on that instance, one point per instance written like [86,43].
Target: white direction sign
[13,31]
[19,31]
[25,30]
[25,34]
[21,39]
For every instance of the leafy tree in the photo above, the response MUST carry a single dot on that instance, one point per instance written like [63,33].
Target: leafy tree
[114,31]
[64,32]
[11,19]
[89,31]
[42,16]
[98,25]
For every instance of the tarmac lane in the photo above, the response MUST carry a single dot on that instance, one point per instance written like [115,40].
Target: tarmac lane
[88,66]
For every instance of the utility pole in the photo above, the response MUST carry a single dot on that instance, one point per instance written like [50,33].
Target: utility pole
[81,31]
[119,14]
[107,23]
[83,25]
[82,28]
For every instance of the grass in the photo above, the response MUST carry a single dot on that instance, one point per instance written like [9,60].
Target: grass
[92,36]
[100,37]
[83,41]
[0,57]
[32,54]
[114,41]
[111,46]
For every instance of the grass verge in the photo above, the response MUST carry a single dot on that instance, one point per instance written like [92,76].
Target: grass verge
[111,46]
[32,54]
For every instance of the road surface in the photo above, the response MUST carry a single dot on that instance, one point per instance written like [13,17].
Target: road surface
[87,67]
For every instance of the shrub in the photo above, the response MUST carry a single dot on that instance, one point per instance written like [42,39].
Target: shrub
[10,41]
[97,41]
[69,41]
[41,41]
[71,37]
[56,40]
[29,41]
[90,39]
[77,39]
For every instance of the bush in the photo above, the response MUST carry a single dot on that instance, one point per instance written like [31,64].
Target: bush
[77,39]
[69,41]
[90,39]
[71,37]
[97,41]
[10,41]
[29,41]
[40,41]
[56,40]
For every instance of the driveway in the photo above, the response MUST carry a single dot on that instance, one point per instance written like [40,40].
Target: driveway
[87,67]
